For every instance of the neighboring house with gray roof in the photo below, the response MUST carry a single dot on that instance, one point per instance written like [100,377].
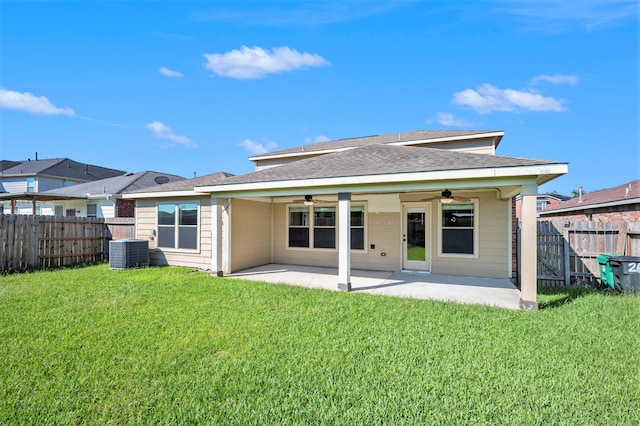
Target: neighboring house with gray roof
[617,204]
[34,176]
[100,198]
[429,201]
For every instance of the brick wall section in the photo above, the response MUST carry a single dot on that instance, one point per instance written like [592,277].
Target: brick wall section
[624,213]
[514,240]
[125,208]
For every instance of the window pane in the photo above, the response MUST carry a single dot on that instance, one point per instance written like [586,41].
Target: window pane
[166,236]
[92,210]
[357,216]
[188,237]
[298,216]
[457,216]
[357,238]
[324,216]
[166,214]
[188,214]
[457,241]
[324,238]
[298,237]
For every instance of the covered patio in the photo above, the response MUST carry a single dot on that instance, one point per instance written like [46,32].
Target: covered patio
[467,290]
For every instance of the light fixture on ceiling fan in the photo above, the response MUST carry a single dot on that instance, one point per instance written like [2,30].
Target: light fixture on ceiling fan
[308,200]
[446,197]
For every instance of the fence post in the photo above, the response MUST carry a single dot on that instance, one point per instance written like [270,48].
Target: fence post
[567,256]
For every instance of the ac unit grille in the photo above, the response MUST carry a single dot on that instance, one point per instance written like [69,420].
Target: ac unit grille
[128,253]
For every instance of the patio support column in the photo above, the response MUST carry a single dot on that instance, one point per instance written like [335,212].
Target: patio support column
[529,248]
[216,236]
[13,206]
[33,206]
[344,241]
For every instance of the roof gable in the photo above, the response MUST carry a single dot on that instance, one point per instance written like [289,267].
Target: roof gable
[62,167]
[394,138]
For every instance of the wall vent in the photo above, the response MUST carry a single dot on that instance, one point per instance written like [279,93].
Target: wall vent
[128,253]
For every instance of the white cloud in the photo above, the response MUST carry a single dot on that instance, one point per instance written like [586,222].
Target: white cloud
[555,79]
[258,148]
[162,131]
[490,98]
[30,103]
[447,119]
[255,62]
[319,138]
[170,73]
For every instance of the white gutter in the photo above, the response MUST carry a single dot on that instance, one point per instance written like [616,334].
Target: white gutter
[590,206]
[160,194]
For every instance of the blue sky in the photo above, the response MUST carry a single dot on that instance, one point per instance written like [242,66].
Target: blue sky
[198,87]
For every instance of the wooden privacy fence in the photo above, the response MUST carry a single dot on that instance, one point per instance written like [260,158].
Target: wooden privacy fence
[568,251]
[28,241]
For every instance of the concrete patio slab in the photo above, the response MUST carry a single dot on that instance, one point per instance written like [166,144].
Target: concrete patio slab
[418,285]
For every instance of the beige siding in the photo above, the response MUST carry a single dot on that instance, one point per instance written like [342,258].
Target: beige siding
[146,223]
[494,243]
[382,229]
[251,234]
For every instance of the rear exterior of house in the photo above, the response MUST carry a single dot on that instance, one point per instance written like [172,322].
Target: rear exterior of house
[416,201]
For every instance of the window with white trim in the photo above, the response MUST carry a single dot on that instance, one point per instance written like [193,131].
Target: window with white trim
[178,226]
[316,227]
[31,184]
[357,227]
[458,228]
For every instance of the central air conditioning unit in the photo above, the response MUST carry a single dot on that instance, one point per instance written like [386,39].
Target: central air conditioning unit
[128,253]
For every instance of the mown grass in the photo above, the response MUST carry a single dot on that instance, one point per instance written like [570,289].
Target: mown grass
[173,346]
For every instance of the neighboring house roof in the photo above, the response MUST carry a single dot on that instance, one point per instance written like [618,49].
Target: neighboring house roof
[394,138]
[186,185]
[117,185]
[555,196]
[379,160]
[628,193]
[61,167]
[6,164]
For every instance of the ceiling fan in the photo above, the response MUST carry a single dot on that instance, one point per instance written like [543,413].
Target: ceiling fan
[447,197]
[309,201]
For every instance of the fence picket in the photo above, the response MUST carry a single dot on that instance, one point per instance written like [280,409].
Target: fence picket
[28,241]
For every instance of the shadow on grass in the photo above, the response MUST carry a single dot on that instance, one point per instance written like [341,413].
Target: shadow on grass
[554,297]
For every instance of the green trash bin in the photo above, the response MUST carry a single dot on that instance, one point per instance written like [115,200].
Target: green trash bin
[626,273]
[606,273]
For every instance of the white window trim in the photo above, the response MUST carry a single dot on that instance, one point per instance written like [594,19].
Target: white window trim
[476,232]
[176,226]
[311,227]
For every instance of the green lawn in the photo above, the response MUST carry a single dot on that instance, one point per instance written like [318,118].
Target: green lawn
[169,345]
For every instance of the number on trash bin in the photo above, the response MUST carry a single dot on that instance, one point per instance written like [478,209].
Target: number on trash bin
[634,268]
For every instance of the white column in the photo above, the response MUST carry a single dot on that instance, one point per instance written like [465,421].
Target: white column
[344,241]
[529,248]
[216,236]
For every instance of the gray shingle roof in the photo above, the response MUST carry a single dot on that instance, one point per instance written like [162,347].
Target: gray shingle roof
[627,192]
[417,135]
[380,159]
[187,184]
[116,185]
[62,167]
[7,164]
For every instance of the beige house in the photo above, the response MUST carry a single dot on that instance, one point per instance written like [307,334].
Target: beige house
[434,201]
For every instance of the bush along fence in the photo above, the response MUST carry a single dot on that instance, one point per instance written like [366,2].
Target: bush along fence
[28,241]
[568,250]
